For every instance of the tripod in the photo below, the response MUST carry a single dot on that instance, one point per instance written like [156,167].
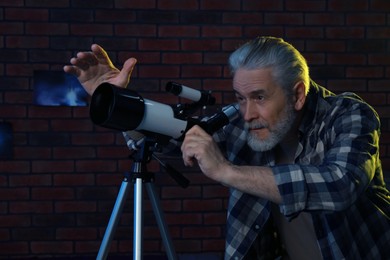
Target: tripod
[139,176]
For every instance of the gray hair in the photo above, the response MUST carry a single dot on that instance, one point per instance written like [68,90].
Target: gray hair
[288,64]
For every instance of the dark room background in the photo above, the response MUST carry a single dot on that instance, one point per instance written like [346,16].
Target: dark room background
[60,173]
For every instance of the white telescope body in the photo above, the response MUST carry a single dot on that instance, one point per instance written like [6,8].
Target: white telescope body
[159,118]
[124,110]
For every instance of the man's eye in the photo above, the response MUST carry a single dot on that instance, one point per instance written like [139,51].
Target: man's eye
[260,98]
[240,99]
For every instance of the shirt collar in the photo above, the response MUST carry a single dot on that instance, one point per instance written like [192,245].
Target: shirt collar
[316,93]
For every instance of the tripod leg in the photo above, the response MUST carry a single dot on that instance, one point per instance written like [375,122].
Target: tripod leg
[138,221]
[161,222]
[114,219]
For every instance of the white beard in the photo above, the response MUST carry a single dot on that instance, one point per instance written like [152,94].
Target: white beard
[277,134]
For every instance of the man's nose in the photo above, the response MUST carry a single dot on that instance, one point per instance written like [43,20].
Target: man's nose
[250,111]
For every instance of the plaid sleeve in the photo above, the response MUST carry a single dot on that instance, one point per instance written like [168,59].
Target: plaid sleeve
[343,160]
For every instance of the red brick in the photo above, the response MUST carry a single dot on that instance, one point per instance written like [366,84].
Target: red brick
[14,247]
[4,235]
[11,28]
[380,5]
[16,166]
[48,3]
[12,3]
[217,218]
[97,4]
[158,44]
[52,247]
[177,4]
[201,71]
[53,112]
[12,111]
[379,59]
[325,46]
[250,32]
[92,29]
[322,19]
[366,19]
[73,153]
[344,85]
[95,138]
[26,42]
[348,5]
[75,179]
[200,44]
[305,5]
[346,59]
[378,32]
[283,18]
[31,207]
[178,31]
[182,58]
[345,32]
[146,57]
[26,14]
[305,32]
[215,191]
[220,5]
[135,30]
[145,4]
[96,166]
[221,31]
[30,180]
[72,125]
[254,5]
[52,166]
[53,193]
[159,71]
[201,232]
[214,245]
[82,247]
[378,85]
[47,28]
[242,18]
[115,15]
[365,72]
[76,233]
[188,245]
[14,193]
[75,206]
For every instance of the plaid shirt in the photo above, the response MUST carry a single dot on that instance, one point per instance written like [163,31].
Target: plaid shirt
[337,168]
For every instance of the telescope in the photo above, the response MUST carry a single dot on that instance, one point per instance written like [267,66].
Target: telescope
[124,109]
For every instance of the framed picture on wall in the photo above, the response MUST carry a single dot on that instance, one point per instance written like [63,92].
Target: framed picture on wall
[57,88]
[6,140]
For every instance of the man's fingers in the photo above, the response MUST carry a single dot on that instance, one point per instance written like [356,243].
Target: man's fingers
[72,70]
[125,73]
[80,63]
[100,54]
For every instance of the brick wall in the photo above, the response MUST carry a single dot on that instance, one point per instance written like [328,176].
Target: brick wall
[59,189]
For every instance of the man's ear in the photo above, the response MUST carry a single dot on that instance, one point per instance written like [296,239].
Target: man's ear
[299,91]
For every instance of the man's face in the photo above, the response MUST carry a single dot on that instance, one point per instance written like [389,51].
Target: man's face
[268,113]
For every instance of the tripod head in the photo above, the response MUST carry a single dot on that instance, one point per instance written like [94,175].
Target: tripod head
[144,154]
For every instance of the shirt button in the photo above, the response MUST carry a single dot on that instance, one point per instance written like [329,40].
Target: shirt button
[257,227]
[236,258]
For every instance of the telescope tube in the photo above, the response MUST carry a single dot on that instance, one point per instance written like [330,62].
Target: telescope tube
[123,109]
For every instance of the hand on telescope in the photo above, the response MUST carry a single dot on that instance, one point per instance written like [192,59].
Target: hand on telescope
[95,67]
[198,146]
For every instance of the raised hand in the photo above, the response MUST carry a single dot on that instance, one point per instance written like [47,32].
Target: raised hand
[95,67]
